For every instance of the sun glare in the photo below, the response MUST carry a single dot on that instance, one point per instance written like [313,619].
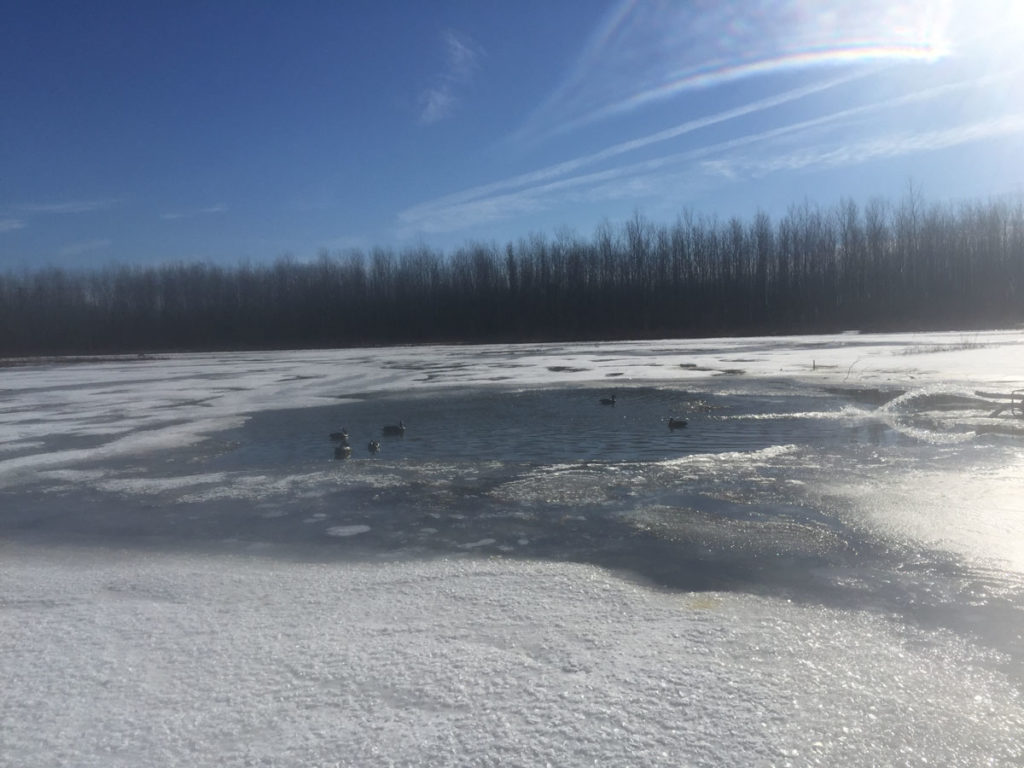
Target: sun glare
[995,28]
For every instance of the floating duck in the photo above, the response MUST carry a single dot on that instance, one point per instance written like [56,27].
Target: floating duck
[373,446]
[341,437]
[674,423]
[608,400]
[343,451]
[394,429]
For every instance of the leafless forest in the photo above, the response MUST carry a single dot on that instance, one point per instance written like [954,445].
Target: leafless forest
[908,265]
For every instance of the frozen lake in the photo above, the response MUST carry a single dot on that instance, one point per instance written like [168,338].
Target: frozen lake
[825,566]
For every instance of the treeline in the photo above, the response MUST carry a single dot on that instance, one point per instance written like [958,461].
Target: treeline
[883,266]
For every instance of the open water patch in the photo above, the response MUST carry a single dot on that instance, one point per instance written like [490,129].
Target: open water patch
[545,426]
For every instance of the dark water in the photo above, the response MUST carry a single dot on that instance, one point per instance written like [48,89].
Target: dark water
[551,426]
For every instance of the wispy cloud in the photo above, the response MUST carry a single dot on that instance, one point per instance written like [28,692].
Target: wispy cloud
[745,157]
[76,249]
[194,213]
[461,61]
[436,104]
[18,215]
[903,78]
[895,144]
[569,166]
[70,206]
[564,182]
[644,53]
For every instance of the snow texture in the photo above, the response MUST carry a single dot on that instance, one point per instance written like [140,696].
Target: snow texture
[444,629]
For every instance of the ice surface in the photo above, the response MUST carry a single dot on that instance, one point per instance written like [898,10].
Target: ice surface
[824,568]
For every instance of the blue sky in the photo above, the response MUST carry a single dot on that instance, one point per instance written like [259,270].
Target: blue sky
[137,132]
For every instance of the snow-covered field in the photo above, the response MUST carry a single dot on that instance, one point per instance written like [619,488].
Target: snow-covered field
[825,567]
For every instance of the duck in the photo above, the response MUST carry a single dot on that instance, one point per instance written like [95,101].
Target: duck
[608,400]
[341,437]
[343,451]
[674,423]
[394,429]
[373,446]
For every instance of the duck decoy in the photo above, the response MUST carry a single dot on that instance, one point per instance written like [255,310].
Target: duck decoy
[343,451]
[394,429]
[373,446]
[341,437]
[674,423]
[608,400]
